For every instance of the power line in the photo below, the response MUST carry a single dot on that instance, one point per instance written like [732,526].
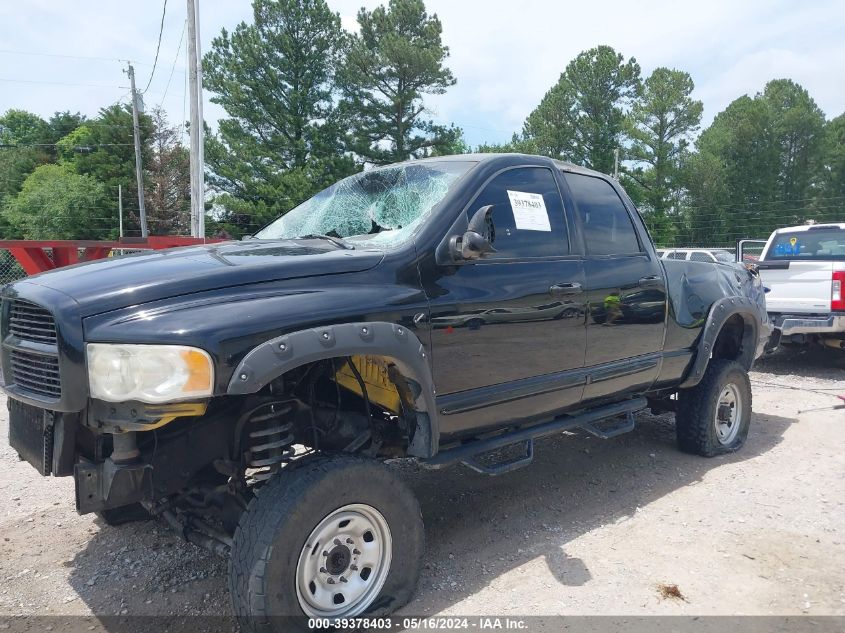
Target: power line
[59,83]
[63,56]
[158,46]
[175,59]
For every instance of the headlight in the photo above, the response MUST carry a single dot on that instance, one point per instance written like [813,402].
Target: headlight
[149,373]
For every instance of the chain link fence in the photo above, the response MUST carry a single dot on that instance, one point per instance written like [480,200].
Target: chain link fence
[10,269]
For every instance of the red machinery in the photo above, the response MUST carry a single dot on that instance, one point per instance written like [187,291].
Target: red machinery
[33,255]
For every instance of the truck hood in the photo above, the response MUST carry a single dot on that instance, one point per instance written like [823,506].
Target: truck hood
[119,282]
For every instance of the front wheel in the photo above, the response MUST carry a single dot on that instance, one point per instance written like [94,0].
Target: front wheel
[336,537]
[713,417]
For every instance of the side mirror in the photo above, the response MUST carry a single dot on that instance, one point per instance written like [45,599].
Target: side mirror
[479,237]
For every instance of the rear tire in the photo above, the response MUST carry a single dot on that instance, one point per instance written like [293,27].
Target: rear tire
[335,537]
[713,417]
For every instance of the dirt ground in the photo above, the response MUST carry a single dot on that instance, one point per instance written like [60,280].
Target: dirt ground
[592,527]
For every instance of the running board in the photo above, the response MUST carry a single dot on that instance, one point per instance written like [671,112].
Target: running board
[502,467]
[469,453]
[606,432]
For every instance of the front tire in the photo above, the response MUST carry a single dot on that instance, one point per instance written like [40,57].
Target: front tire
[713,417]
[336,537]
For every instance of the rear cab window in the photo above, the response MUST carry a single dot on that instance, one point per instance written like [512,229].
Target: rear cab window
[815,244]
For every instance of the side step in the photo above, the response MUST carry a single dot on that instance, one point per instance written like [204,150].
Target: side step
[470,453]
[606,432]
[501,467]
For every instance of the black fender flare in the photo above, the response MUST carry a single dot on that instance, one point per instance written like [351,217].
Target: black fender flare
[279,355]
[720,312]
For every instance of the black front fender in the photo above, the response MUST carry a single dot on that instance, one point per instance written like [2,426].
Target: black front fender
[280,355]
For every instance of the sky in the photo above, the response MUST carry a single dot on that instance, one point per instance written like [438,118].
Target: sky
[505,54]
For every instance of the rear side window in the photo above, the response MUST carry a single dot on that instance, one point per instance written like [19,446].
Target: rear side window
[528,218]
[677,255]
[814,244]
[608,229]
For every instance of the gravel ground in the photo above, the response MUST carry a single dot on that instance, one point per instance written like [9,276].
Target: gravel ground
[592,527]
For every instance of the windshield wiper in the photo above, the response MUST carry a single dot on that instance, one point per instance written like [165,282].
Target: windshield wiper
[334,240]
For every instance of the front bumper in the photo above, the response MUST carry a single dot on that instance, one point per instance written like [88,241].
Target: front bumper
[790,324]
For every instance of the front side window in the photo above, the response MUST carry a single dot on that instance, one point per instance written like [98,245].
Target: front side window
[528,218]
[381,207]
[608,229]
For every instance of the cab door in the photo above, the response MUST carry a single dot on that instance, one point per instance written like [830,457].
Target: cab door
[625,287]
[507,330]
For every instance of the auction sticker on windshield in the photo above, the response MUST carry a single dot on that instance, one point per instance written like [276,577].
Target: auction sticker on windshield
[529,211]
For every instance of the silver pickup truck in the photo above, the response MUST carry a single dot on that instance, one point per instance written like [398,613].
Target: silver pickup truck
[804,269]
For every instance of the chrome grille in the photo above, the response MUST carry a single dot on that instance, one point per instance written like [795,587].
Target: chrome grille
[36,373]
[30,322]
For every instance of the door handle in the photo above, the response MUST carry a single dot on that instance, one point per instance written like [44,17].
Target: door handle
[561,290]
[652,281]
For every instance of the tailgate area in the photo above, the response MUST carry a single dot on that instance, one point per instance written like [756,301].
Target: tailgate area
[800,288]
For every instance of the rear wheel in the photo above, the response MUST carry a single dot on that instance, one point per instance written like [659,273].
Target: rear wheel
[713,417]
[336,537]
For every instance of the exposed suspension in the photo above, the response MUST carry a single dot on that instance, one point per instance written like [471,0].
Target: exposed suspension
[267,433]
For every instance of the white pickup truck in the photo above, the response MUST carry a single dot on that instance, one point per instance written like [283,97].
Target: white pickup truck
[804,269]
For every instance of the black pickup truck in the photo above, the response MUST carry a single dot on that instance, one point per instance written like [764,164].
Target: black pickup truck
[450,310]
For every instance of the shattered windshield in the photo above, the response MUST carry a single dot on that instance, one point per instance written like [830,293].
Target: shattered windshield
[382,206]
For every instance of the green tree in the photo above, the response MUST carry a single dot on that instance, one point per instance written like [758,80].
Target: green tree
[396,59]
[104,149]
[831,171]
[660,123]
[56,203]
[452,143]
[22,135]
[63,123]
[16,163]
[517,144]
[281,141]
[762,155]
[733,178]
[581,118]
[19,127]
[797,128]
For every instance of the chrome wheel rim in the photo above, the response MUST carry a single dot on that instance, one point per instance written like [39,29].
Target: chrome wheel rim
[728,416]
[344,562]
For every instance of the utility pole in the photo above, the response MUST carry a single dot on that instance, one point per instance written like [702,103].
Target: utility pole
[139,170]
[196,126]
[120,210]
[616,164]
